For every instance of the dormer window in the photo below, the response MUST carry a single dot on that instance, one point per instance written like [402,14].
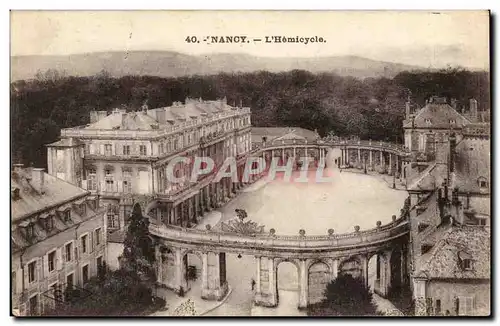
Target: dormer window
[428,122]
[465,261]
[15,194]
[482,183]
[67,215]
[83,209]
[29,229]
[49,223]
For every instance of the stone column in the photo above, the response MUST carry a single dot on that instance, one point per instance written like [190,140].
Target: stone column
[371,158]
[159,265]
[257,290]
[365,261]
[420,295]
[335,269]
[390,164]
[303,295]
[273,289]
[382,162]
[179,271]
[214,290]
[294,152]
[204,271]
[359,155]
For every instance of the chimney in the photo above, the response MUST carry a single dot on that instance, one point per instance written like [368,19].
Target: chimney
[407,110]
[453,103]
[93,116]
[160,115]
[473,109]
[124,116]
[453,145]
[18,167]
[38,179]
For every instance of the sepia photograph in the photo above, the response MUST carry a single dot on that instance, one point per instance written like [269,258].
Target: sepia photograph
[202,163]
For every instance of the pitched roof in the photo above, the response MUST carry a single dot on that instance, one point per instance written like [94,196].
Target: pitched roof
[30,201]
[158,117]
[443,260]
[439,115]
[125,121]
[66,142]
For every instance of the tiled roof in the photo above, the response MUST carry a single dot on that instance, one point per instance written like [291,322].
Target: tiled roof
[150,119]
[56,192]
[439,115]
[443,260]
[130,121]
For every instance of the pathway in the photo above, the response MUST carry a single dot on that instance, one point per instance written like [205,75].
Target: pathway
[385,306]
[193,297]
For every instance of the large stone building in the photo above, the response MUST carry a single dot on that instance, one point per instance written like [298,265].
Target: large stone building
[450,217]
[58,239]
[123,156]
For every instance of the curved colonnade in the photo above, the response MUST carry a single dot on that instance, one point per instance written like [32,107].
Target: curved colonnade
[318,259]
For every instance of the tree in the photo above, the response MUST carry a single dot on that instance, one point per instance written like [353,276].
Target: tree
[345,296]
[139,251]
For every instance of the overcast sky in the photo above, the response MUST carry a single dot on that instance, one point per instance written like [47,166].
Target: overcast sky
[420,38]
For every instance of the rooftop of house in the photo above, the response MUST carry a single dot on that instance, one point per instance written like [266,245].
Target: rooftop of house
[34,190]
[67,142]
[149,119]
[453,245]
[437,114]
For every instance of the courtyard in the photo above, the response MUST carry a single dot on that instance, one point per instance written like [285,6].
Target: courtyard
[349,199]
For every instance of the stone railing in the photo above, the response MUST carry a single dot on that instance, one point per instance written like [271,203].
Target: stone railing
[400,149]
[358,238]
[81,132]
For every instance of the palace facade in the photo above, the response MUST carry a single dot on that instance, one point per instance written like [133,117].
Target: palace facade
[123,156]
[58,239]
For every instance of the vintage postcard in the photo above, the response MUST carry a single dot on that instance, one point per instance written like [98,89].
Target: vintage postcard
[250,163]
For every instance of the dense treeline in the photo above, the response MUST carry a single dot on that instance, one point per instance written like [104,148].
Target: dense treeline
[370,108]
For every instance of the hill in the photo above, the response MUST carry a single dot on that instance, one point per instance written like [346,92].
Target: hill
[174,64]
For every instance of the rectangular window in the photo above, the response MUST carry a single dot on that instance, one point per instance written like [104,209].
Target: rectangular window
[99,262]
[162,148]
[83,209]
[34,305]
[32,272]
[49,223]
[126,150]
[67,215]
[83,240]
[92,179]
[108,150]
[30,231]
[142,150]
[85,274]
[14,282]
[438,307]
[112,220]
[68,250]
[69,281]
[52,261]
[98,236]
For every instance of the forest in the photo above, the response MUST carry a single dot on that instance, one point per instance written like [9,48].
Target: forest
[370,108]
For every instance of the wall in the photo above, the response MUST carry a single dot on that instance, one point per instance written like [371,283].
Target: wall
[447,292]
